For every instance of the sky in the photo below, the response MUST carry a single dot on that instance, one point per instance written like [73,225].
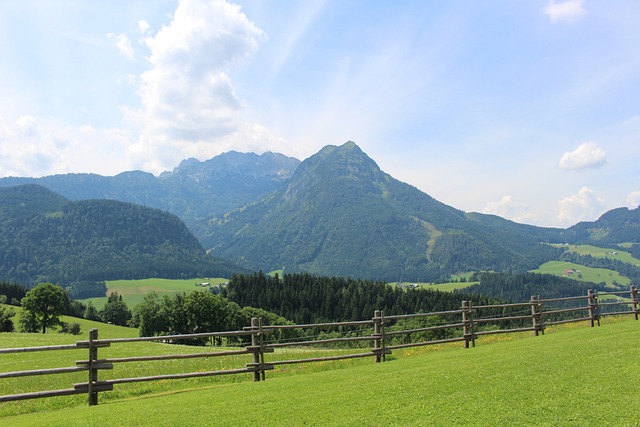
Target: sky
[525,109]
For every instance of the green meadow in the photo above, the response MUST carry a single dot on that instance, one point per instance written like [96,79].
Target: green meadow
[449,287]
[598,252]
[134,291]
[585,274]
[571,376]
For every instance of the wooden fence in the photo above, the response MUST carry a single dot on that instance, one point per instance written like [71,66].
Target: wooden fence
[381,332]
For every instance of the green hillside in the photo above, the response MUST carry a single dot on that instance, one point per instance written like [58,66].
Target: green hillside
[570,376]
[340,215]
[613,227]
[582,273]
[44,237]
[611,253]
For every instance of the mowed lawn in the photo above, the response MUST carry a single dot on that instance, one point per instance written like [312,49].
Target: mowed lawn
[572,376]
[134,291]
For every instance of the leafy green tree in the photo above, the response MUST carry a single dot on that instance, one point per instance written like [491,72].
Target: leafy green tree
[42,307]
[115,310]
[150,316]
[6,324]
[91,313]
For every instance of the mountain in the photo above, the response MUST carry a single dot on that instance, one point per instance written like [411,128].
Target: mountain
[340,215]
[46,237]
[194,190]
[613,227]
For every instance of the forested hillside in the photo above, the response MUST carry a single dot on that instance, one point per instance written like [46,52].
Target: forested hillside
[334,214]
[613,227]
[193,190]
[341,215]
[46,238]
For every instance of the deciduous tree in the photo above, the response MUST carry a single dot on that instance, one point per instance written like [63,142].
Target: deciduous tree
[42,307]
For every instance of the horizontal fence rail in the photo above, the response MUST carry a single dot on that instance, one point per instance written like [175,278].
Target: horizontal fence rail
[376,338]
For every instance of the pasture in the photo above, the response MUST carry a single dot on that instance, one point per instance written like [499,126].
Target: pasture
[134,291]
[582,273]
[598,252]
[573,375]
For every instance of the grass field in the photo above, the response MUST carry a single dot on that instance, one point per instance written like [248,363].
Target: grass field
[67,358]
[585,274]
[573,375]
[598,252]
[133,291]
[449,287]
[444,287]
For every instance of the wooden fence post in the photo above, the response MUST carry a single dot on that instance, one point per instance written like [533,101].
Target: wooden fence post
[535,315]
[467,328]
[257,342]
[93,372]
[594,315]
[634,298]
[378,331]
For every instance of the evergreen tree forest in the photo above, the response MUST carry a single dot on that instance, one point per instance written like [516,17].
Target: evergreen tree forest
[520,287]
[304,298]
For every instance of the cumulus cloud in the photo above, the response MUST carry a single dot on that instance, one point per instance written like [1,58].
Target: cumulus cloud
[633,199]
[584,206]
[565,11]
[508,208]
[187,96]
[587,155]
[33,146]
[123,43]
[143,26]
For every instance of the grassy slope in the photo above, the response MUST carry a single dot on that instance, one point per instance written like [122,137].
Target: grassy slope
[133,291]
[598,252]
[22,340]
[578,376]
[589,274]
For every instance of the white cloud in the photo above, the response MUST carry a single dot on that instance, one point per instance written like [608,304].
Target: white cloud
[188,100]
[566,11]
[633,199]
[507,208]
[584,206]
[123,43]
[587,155]
[33,146]
[143,26]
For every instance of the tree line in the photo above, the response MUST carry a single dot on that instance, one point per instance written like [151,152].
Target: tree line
[520,287]
[304,298]
[43,306]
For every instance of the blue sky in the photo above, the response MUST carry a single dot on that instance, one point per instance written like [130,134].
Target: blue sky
[526,109]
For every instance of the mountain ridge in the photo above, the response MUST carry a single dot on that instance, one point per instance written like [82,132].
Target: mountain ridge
[53,239]
[337,213]
[193,190]
[340,214]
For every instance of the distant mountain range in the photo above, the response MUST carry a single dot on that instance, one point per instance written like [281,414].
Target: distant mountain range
[336,214]
[193,191]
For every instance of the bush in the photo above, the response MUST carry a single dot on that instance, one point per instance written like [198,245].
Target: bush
[70,328]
